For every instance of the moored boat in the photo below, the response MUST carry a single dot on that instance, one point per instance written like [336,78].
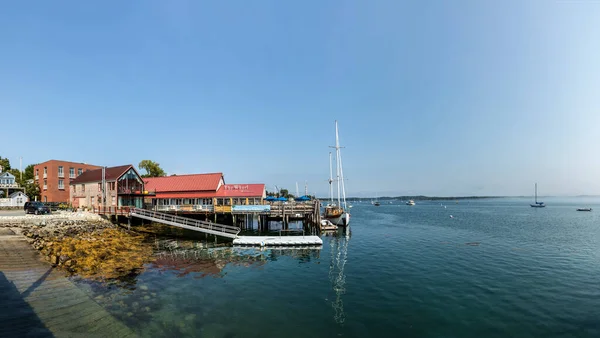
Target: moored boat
[337,213]
[411,202]
[537,204]
[584,209]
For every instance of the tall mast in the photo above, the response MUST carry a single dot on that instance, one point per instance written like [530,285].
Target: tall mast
[337,163]
[339,171]
[535,193]
[330,179]
[297,193]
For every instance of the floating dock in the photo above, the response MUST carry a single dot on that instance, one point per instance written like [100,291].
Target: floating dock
[282,241]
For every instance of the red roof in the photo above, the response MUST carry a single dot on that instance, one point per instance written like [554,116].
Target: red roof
[112,173]
[201,194]
[241,190]
[184,183]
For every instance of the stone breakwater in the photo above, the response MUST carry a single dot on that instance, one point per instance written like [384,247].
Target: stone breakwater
[83,244]
[58,216]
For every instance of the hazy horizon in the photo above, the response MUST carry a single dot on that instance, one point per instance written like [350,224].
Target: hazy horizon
[451,98]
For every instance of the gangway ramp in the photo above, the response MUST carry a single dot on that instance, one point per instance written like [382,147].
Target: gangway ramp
[187,223]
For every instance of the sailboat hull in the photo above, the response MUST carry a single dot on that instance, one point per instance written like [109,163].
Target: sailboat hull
[538,205]
[341,220]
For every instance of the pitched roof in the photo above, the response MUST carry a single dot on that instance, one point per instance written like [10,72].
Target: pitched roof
[16,193]
[181,183]
[7,174]
[241,190]
[112,173]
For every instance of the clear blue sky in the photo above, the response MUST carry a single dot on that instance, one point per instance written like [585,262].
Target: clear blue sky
[437,98]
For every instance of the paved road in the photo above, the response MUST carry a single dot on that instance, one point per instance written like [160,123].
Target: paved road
[12,213]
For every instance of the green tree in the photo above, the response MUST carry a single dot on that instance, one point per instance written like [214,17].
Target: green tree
[285,193]
[5,163]
[28,173]
[152,168]
[32,190]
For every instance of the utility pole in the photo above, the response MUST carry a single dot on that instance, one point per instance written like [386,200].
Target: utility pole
[21,168]
[103,186]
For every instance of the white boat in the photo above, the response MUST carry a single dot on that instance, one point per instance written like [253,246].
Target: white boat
[376,202]
[411,202]
[337,213]
[537,204]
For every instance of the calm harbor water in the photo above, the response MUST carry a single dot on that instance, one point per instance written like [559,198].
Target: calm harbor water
[497,268]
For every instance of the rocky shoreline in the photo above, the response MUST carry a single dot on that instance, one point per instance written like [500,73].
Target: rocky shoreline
[83,243]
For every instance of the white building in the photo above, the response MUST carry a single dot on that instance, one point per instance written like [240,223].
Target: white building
[7,180]
[16,199]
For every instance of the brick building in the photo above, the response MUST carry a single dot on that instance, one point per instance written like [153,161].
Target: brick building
[54,177]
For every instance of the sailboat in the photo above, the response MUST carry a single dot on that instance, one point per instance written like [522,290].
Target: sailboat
[337,213]
[376,202]
[537,204]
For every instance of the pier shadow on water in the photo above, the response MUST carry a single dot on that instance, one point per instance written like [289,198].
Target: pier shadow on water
[17,318]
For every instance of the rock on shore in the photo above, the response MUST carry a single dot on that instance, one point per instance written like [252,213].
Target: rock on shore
[83,243]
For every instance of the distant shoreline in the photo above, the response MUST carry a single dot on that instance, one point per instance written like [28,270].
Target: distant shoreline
[448,198]
[422,198]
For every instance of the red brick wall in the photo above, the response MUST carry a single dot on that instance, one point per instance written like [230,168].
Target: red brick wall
[53,193]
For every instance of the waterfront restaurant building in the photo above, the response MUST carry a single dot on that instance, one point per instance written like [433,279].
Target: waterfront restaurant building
[200,193]
[123,186]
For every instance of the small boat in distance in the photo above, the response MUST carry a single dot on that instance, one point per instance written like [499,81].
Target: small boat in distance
[537,204]
[584,209]
[376,201]
[411,202]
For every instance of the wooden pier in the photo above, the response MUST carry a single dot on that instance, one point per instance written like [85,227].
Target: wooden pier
[221,230]
[239,216]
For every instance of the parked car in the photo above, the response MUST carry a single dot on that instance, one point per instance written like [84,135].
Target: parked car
[37,208]
[25,206]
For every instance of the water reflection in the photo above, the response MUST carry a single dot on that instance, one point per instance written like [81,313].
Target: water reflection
[339,252]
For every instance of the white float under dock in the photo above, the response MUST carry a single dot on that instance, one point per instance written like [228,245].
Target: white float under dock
[278,240]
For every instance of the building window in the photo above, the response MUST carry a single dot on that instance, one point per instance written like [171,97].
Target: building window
[45,172]
[99,186]
[45,184]
[82,187]
[92,200]
[71,172]
[79,171]
[37,174]
[61,172]
[61,184]
[45,198]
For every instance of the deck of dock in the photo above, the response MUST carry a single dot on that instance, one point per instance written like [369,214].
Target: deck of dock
[38,300]
[278,240]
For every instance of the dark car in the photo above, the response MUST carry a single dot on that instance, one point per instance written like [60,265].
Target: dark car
[37,208]
[25,206]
